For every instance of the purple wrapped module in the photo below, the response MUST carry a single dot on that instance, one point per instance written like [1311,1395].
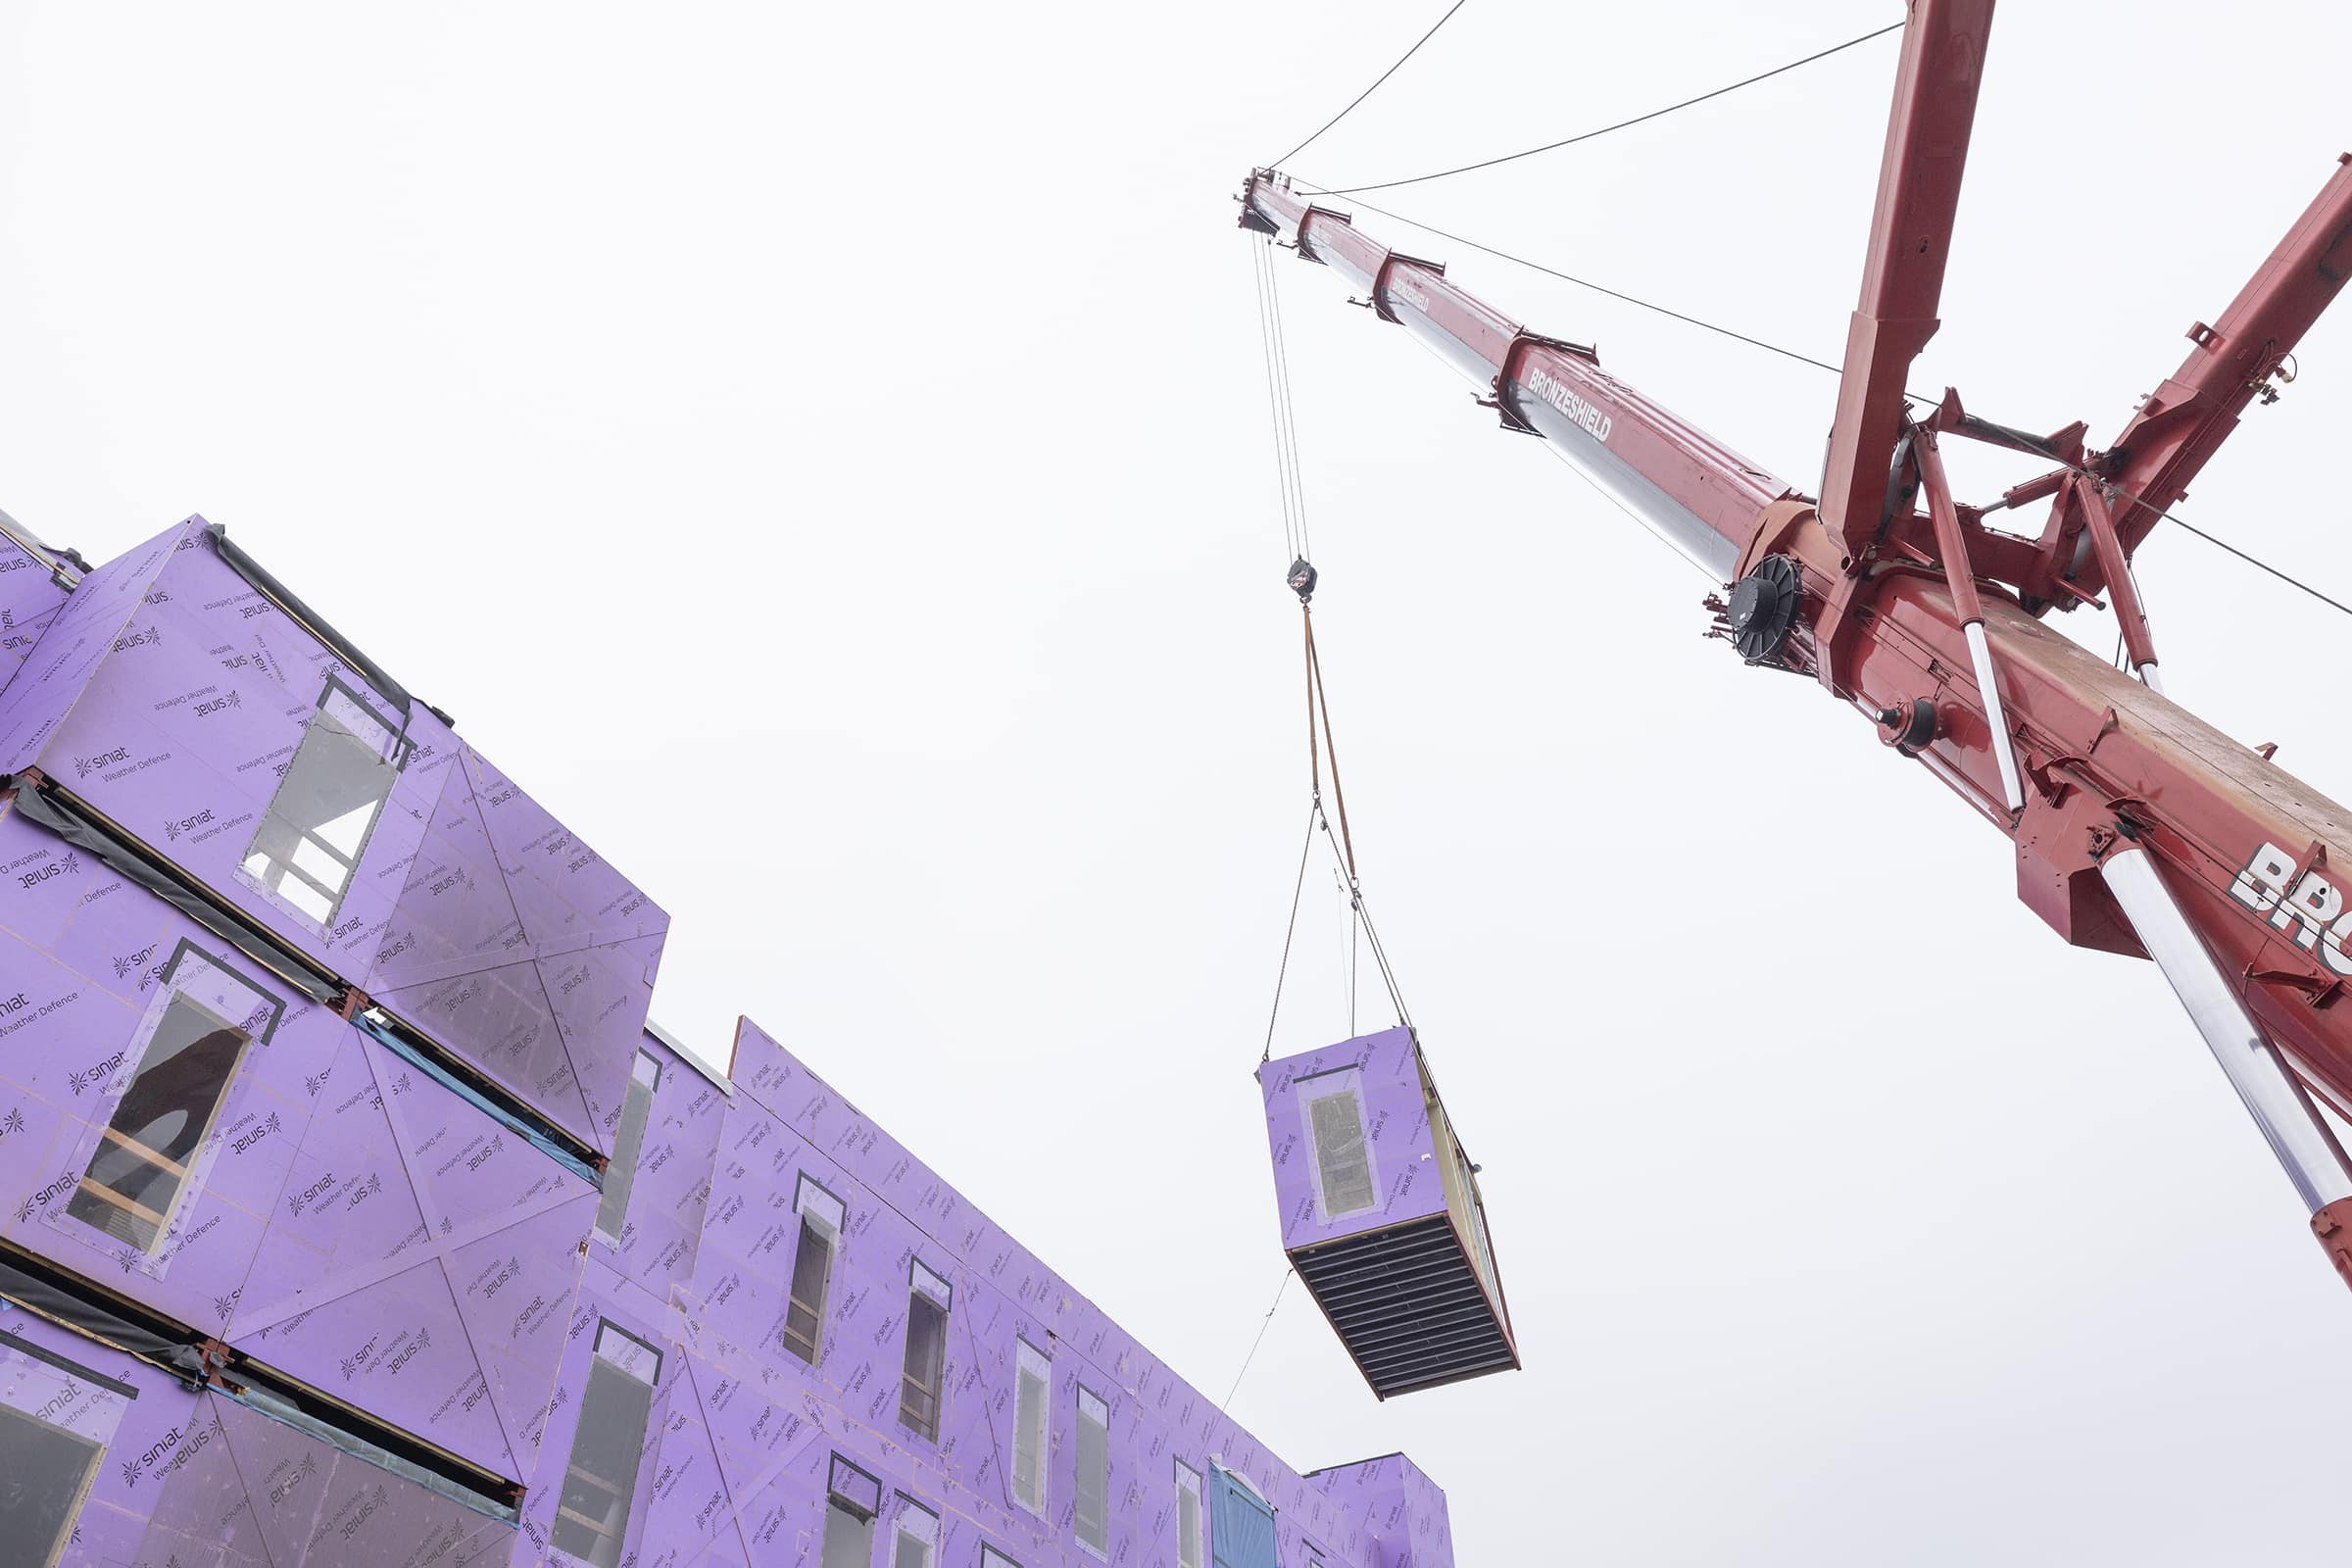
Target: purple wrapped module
[1380,1213]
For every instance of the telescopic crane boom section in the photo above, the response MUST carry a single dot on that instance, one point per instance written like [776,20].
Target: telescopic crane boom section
[2137,828]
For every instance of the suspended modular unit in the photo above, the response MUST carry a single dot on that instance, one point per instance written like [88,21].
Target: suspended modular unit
[1380,1213]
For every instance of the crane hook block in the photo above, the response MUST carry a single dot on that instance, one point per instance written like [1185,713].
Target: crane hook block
[1302,579]
[1763,609]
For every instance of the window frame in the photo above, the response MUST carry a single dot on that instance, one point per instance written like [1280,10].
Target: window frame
[220,981]
[1199,1498]
[1337,1081]
[826,1230]
[908,1506]
[628,1144]
[857,1510]
[997,1557]
[925,1301]
[1099,1550]
[624,1493]
[37,1430]
[1044,1466]
[271,881]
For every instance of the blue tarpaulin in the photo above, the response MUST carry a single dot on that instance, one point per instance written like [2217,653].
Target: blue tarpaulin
[1240,1523]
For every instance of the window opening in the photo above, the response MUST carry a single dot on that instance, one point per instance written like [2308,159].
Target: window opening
[1188,1516]
[990,1557]
[1032,1401]
[1333,1107]
[592,1517]
[915,1541]
[55,1419]
[851,1500]
[821,1215]
[1093,1473]
[326,804]
[628,1141]
[927,1298]
[140,1167]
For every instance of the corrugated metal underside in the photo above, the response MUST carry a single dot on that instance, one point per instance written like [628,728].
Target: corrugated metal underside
[1408,1305]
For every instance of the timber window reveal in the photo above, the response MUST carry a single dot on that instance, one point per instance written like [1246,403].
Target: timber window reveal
[821,1215]
[1032,1402]
[1093,1521]
[1332,1105]
[628,1141]
[326,804]
[928,1300]
[592,1517]
[914,1538]
[140,1166]
[1188,1516]
[851,1500]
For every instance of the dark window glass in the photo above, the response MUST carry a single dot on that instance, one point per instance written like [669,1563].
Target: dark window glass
[44,1473]
[628,1141]
[593,1516]
[926,1354]
[812,1269]
[141,1161]
[318,823]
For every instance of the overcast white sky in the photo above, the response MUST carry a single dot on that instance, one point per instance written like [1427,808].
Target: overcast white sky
[822,452]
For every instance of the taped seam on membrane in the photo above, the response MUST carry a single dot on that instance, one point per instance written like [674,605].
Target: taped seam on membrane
[47,807]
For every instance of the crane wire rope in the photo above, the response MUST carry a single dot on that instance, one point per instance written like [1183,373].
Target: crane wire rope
[1286,468]
[1622,125]
[1368,91]
[1267,1323]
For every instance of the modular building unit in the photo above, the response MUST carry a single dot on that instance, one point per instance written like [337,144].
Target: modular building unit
[186,704]
[1380,1213]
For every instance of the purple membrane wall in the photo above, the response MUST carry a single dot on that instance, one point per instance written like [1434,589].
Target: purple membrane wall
[1380,1072]
[355,1225]
[30,599]
[170,696]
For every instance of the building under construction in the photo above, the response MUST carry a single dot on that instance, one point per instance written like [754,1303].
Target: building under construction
[353,1215]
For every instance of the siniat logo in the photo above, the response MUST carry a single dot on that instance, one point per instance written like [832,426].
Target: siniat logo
[173,829]
[137,639]
[84,766]
[124,966]
[63,865]
[1557,392]
[232,699]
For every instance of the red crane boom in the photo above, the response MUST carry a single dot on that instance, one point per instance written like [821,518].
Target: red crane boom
[2137,828]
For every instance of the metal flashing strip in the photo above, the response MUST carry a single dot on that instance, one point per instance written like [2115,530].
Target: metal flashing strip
[55,809]
[506,1509]
[397,1037]
[318,625]
[67,568]
[49,1357]
[199,1362]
